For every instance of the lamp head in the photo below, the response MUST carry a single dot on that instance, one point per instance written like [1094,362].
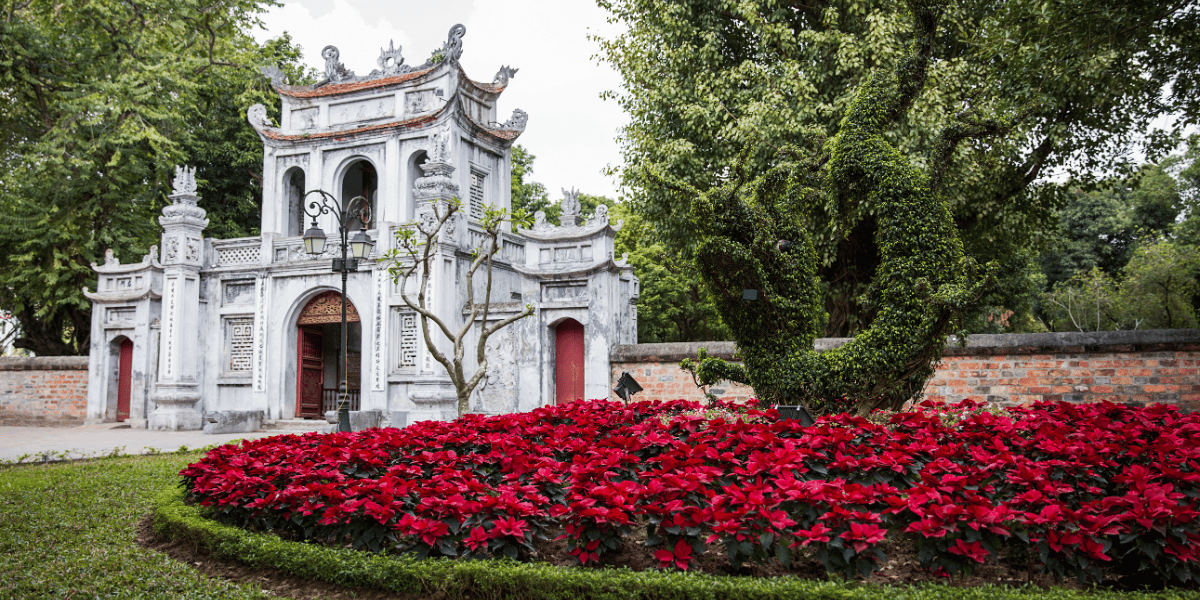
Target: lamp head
[361,244]
[314,240]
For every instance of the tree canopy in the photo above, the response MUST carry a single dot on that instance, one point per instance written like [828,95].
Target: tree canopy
[100,100]
[756,254]
[1081,81]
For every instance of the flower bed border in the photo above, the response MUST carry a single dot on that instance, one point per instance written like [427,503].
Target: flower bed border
[449,578]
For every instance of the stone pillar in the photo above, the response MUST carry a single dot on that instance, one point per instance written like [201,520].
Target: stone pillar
[432,392]
[178,390]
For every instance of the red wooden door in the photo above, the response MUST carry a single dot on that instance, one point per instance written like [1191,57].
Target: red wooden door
[310,372]
[124,379]
[568,362]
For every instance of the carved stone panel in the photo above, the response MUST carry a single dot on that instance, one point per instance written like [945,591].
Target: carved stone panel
[238,292]
[306,118]
[362,110]
[419,102]
[568,290]
[120,315]
[497,392]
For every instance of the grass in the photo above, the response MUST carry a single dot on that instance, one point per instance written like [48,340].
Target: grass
[67,531]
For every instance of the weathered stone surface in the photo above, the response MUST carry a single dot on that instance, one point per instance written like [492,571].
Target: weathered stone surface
[233,421]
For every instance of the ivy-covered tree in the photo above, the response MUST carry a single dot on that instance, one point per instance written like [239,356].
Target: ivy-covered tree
[100,100]
[705,79]
[757,254]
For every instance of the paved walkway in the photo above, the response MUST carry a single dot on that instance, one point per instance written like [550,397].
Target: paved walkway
[57,443]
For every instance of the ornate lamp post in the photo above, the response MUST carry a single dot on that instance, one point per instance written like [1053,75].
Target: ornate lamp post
[360,246]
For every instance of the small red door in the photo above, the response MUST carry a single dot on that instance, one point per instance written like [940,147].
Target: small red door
[568,366]
[124,379]
[310,375]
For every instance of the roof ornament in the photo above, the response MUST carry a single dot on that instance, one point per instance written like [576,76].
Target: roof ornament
[503,75]
[452,49]
[390,62]
[335,71]
[517,122]
[257,115]
[274,74]
[570,208]
[185,181]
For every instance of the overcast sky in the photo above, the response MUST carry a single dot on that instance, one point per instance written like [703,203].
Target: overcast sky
[571,130]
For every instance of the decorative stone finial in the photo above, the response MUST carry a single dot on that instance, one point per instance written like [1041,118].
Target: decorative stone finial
[335,71]
[518,121]
[600,216]
[453,48]
[257,116]
[503,75]
[390,61]
[109,259]
[185,181]
[274,74]
[570,208]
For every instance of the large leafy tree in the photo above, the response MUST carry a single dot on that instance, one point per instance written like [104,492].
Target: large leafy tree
[226,151]
[705,79]
[100,100]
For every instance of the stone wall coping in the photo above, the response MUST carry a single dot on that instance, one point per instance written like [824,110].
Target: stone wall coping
[44,363]
[979,344]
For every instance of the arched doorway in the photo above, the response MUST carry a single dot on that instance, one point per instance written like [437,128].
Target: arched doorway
[124,378]
[318,360]
[360,179]
[293,184]
[568,362]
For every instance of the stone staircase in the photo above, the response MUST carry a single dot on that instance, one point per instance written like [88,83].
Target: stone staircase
[296,426]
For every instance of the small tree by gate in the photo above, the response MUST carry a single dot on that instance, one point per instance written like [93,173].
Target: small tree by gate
[413,257]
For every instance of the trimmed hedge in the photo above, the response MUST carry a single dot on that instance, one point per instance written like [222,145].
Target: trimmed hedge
[440,577]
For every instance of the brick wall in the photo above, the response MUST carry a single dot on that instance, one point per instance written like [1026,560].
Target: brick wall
[43,390]
[1119,366]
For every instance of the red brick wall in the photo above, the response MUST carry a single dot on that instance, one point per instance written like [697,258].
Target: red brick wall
[1118,366]
[49,390]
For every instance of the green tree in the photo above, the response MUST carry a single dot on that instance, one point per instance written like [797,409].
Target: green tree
[704,79]
[1088,301]
[1159,284]
[674,305]
[226,151]
[100,100]
[529,196]
[1154,291]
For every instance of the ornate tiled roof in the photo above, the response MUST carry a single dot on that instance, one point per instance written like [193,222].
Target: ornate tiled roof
[335,89]
[413,123]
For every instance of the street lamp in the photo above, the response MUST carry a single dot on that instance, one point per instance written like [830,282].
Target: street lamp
[314,243]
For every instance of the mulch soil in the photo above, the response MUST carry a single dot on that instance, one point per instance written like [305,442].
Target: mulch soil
[901,568]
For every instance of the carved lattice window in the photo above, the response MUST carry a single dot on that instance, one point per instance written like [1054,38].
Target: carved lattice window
[239,344]
[407,339]
[477,180]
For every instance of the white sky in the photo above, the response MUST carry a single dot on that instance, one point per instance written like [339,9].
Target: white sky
[571,130]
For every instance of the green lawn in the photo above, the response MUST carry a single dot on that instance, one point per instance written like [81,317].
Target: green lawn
[68,529]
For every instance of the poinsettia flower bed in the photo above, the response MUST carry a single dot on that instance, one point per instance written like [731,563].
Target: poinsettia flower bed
[1072,487]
